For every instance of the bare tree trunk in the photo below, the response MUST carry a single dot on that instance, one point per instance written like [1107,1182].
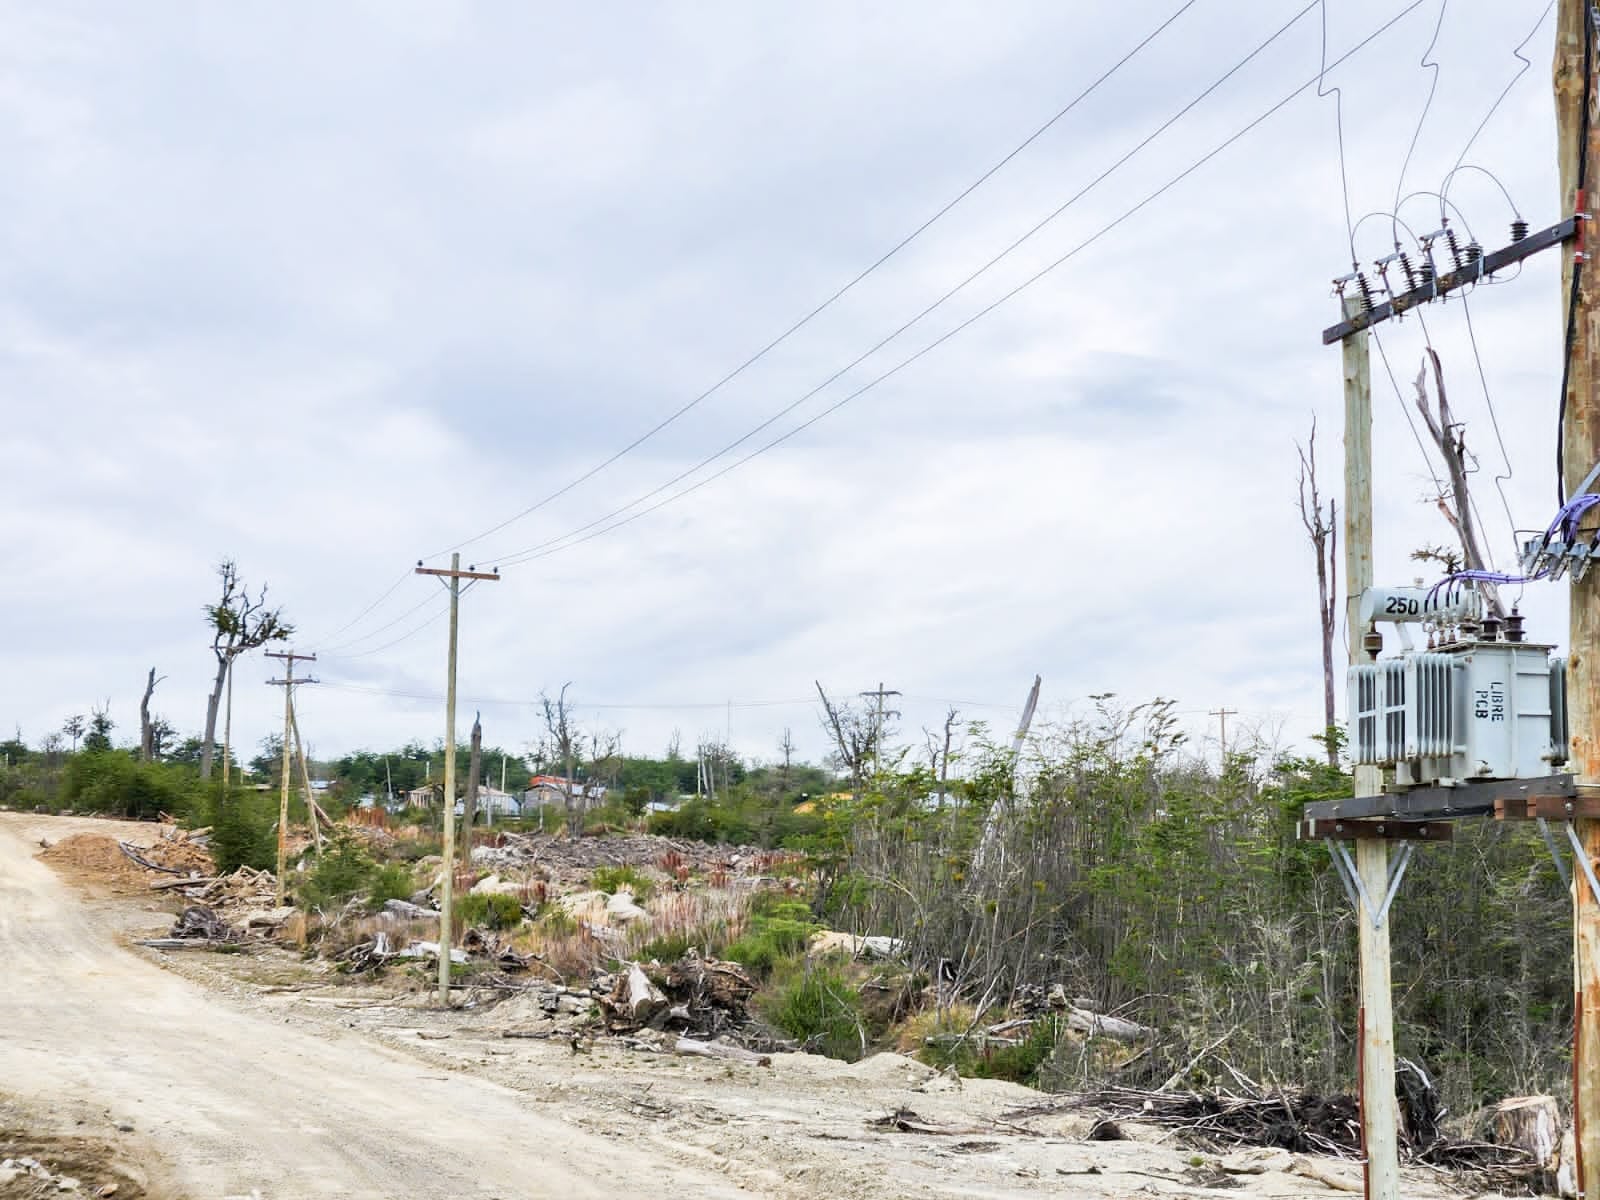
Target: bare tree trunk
[1453,449]
[213,703]
[470,805]
[147,744]
[1324,535]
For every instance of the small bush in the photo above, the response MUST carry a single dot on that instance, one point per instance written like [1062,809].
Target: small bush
[614,879]
[488,910]
[820,1008]
[390,882]
[343,871]
[779,929]
[241,833]
[668,949]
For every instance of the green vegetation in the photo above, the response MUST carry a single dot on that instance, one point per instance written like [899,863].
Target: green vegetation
[615,879]
[344,871]
[819,1007]
[488,910]
[242,833]
[777,933]
[112,782]
[391,881]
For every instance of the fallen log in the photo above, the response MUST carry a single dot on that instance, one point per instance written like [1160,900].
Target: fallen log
[1096,1025]
[690,1048]
[144,862]
[162,885]
[172,943]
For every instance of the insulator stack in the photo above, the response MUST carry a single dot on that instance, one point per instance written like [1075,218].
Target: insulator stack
[1455,247]
[1366,291]
[1474,253]
[1410,271]
[1425,273]
[1519,230]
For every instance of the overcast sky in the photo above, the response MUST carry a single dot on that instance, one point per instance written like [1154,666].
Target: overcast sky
[330,288]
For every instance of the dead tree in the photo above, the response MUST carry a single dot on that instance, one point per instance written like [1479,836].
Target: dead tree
[1323,531]
[469,806]
[238,625]
[939,754]
[1449,437]
[558,726]
[147,729]
[855,739]
[994,821]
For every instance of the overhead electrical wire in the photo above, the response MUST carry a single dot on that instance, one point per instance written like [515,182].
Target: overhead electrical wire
[589,532]
[1433,87]
[1444,188]
[518,556]
[837,294]
[545,549]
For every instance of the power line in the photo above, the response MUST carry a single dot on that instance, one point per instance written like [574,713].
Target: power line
[1427,104]
[406,636]
[571,539]
[1444,188]
[838,294]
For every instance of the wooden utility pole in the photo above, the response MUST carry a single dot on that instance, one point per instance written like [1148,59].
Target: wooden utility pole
[469,805]
[314,811]
[1580,450]
[1222,714]
[287,683]
[453,576]
[1379,1117]
[877,729]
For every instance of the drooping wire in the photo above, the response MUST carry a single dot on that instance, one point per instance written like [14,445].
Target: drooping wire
[1433,86]
[1338,121]
[1444,188]
[444,606]
[522,555]
[835,296]
[554,545]
[389,591]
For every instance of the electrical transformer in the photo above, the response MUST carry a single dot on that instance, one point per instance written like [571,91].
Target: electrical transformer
[1476,704]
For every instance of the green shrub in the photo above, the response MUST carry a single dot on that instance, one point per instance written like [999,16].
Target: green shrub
[413,849]
[1019,1064]
[780,926]
[820,1008]
[390,882]
[242,833]
[342,871]
[557,922]
[113,781]
[667,949]
[614,879]
[488,910]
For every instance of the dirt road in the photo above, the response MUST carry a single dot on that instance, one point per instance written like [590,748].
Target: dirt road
[239,1104]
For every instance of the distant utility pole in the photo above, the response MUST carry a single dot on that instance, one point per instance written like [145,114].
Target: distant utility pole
[877,727]
[454,575]
[227,733]
[314,811]
[287,683]
[1223,714]
[1578,144]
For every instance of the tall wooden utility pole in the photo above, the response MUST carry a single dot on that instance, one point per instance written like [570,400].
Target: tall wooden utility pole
[1379,1119]
[453,576]
[287,683]
[877,728]
[1580,450]
[227,733]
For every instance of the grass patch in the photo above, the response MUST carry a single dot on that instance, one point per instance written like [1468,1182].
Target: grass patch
[779,929]
[612,880]
[489,910]
[819,1007]
[390,882]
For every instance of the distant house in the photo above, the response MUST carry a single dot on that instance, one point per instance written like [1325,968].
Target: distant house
[551,791]
[493,802]
[421,797]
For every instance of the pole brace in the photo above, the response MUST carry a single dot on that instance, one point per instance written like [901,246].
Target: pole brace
[1356,888]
